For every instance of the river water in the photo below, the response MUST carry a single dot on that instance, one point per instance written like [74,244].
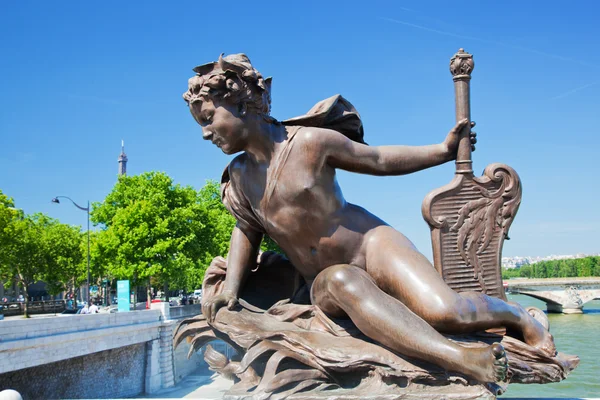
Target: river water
[577,334]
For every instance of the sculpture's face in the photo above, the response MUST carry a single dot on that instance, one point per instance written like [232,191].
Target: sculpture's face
[222,124]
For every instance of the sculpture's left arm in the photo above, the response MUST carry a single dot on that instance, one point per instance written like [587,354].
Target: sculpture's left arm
[343,153]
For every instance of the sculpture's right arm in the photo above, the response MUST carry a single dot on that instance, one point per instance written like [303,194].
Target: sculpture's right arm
[341,152]
[243,252]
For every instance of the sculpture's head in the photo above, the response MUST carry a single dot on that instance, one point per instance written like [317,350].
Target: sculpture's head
[223,95]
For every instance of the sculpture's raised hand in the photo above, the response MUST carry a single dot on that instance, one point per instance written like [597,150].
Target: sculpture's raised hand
[211,307]
[452,140]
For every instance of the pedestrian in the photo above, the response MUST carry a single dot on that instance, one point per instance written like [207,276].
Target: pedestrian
[93,309]
[85,309]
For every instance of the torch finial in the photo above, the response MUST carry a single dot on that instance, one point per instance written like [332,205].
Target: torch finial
[461,65]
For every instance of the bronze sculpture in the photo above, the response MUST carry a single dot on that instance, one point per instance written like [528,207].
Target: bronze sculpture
[351,264]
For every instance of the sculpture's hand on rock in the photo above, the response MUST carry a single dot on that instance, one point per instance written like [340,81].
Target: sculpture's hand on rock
[211,307]
[452,140]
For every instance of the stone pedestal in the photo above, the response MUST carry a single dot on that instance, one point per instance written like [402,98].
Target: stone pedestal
[381,391]
[163,307]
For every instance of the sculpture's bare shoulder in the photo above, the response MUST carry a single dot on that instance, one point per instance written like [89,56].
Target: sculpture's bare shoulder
[317,143]
[237,165]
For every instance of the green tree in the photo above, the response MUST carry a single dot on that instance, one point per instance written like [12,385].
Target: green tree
[587,266]
[7,214]
[36,247]
[152,227]
[595,266]
[539,270]
[562,269]
[66,256]
[156,231]
[7,211]
[508,273]
[100,274]
[525,271]
[25,252]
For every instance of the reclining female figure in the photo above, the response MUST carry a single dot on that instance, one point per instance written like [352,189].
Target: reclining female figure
[284,184]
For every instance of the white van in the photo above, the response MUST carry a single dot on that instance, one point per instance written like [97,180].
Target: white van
[197,294]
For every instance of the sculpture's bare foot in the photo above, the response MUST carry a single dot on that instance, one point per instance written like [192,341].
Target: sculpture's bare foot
[488,364]
[537,336]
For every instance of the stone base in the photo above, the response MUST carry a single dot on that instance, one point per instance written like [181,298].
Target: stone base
[560,309]
[377,390]
[340,395]
[572,310]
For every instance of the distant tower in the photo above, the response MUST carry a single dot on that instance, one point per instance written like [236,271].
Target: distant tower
[122,160]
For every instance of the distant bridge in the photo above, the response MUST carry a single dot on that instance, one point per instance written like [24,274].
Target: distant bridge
[562,295]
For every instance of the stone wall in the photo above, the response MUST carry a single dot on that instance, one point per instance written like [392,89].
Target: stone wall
[182,365]
[135,349]
[107,374]
[189,310]
[30,342]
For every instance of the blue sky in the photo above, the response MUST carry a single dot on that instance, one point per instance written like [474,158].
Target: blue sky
[77,77]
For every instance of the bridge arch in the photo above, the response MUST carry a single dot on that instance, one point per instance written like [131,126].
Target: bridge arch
[562,295]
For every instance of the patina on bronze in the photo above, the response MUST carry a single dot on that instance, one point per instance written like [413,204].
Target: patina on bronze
[354,307]
[470,217]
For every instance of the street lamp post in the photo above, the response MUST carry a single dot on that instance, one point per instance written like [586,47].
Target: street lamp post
[86,209]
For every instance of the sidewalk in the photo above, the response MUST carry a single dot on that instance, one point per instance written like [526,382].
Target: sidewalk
[20,317]
[194,386]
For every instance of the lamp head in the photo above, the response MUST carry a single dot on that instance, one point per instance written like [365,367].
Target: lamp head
[55,200]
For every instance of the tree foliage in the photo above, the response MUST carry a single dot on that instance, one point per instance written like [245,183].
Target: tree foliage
[7,215]
[67,257]
[567,268]
[152,227]
[39,248]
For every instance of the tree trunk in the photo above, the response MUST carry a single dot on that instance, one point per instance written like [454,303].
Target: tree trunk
[108,288]
[135,290]
[26,302]
[148,293]
[166,290]
[25,296]
[26,305]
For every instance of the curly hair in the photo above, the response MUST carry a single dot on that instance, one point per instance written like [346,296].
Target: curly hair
[234,79]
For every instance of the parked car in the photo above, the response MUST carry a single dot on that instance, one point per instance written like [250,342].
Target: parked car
[197,295]
[73,310]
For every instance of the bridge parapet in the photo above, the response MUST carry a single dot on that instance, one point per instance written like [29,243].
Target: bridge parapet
[27,346]
[552,282]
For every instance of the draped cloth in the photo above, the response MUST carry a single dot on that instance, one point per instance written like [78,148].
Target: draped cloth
[334,113]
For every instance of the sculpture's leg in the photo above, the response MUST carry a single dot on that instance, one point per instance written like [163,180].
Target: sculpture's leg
[404,273]
[346,290]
